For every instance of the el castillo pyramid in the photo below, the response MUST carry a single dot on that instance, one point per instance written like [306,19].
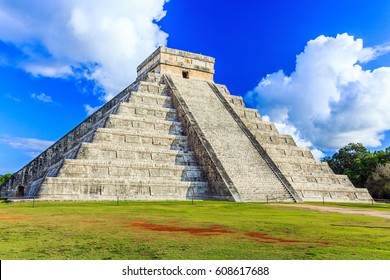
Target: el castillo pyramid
[174,134]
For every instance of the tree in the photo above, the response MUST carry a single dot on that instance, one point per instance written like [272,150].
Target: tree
[378,183]
[350,160]
[4,178]
[364,169]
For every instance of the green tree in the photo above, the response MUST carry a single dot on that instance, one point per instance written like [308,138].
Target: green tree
[349,160]
[364,169]
[4,178]
[378,183]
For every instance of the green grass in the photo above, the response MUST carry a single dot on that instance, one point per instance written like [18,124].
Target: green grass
[181,230]
[362,206]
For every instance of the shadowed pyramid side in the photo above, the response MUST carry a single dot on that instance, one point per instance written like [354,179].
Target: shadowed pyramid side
[140,154]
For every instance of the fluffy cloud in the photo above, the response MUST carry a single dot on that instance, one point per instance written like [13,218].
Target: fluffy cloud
[329,100]
[98,40]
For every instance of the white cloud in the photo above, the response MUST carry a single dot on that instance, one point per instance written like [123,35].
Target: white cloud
[61,37]
[42,97]
[26,143]
[48,71]
[90,110]
[329,100]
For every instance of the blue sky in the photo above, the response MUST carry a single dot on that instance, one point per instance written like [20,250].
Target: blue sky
[319,69]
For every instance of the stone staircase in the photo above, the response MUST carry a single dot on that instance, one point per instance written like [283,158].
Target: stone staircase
[312,180]
[244,166]
[140,154]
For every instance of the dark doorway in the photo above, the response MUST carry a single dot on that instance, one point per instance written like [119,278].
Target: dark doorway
[20,191]
[186,75]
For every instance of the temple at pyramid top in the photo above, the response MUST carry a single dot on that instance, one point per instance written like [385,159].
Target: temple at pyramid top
[170,61]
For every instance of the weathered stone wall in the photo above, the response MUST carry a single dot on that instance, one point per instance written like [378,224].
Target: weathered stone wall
[48,163]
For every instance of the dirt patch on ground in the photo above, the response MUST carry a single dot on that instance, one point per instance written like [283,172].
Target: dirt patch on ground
[210,231]
[214,230]
[321,208]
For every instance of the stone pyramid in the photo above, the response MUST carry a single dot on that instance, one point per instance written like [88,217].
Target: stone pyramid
[174,134]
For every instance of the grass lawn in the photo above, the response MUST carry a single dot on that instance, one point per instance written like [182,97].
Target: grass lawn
[181,230]
[362,206]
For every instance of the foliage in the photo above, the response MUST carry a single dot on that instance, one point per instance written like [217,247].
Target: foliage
[361,166]
[378,184]
[346,157]
[4,178]
[173,230]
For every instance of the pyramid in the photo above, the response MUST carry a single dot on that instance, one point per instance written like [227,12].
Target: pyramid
[174,134]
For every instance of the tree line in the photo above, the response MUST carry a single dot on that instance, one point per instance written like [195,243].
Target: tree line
[364,169]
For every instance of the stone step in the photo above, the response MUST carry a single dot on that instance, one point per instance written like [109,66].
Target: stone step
[315,167]
[261,191]
[135,147]
[278,139]
[141,132]
[151,99]
[322,186]
[142,110]
[147,124]
[110,135]
[81,168]
[267,197]
[319,179]
[126,163]
[247,113]
[335,195]
[125,189]
[152,87]
[288,151]
[146,119]
[264,133]
[128,181]
[235,101]
[292,159]
[223,89]
[263,127]
[94,151]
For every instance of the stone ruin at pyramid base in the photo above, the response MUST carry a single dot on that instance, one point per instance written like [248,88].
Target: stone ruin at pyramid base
[174,134]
